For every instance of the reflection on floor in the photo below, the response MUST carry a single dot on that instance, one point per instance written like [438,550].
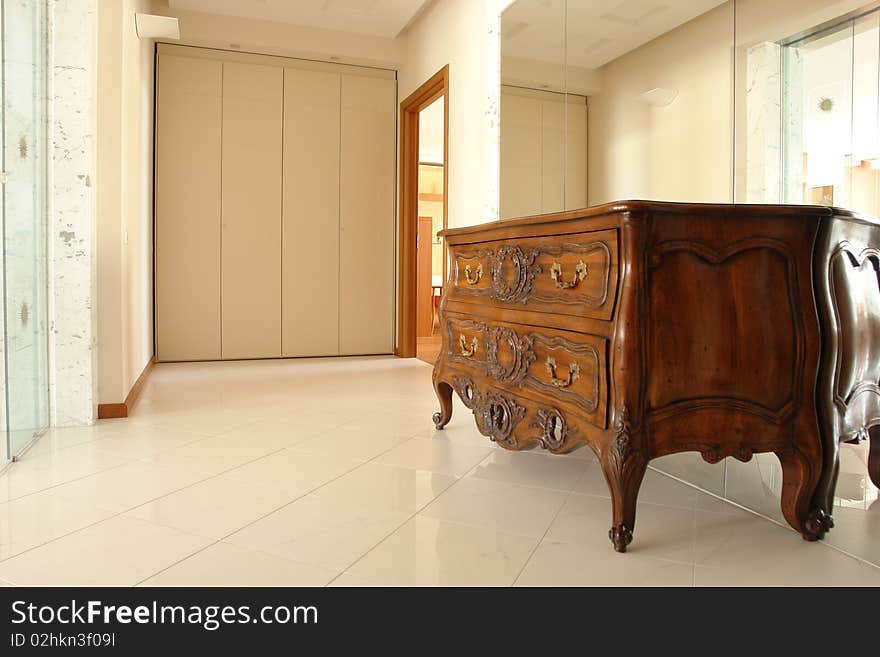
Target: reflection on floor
[317,472]
[427,349]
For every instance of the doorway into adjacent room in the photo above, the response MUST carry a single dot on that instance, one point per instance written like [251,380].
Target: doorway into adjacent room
[430,251]
[423,214]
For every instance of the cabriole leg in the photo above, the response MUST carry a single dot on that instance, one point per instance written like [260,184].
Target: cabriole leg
[800,476]
[444,395]
[624,467]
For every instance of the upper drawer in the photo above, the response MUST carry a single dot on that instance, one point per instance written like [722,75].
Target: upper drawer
[565,274]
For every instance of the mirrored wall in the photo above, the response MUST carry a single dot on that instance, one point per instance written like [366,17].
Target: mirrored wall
[24,412]
[714,101]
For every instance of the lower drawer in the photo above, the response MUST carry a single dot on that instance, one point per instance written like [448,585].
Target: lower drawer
[551,366]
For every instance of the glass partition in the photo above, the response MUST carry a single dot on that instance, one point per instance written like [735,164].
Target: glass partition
[24,265]
[534,108]
[743,101]
[807,133]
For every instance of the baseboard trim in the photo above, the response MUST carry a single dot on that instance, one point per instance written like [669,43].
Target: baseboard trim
[116,411]
[112,411]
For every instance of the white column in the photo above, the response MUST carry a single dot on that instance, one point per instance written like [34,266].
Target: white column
[764,123]
[72,75]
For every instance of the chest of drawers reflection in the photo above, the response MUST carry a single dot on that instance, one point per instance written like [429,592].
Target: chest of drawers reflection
[642,329]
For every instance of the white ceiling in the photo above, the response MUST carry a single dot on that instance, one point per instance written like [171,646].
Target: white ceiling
[384,18]
[598,31]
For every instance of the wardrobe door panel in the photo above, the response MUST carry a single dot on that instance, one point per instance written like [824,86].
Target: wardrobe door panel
[310,242]
[251,243]
[188,124]
[553,154]
[576,155]
[367,215]
[521,136]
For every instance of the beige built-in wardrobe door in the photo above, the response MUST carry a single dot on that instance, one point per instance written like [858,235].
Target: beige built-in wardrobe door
[366,196]
[310,287]
[521,156]
[188,116]
[251,192]
[553,147]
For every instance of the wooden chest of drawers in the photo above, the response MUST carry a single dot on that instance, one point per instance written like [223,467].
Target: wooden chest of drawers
[644,329]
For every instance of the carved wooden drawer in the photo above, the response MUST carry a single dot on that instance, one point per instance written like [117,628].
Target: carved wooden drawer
[558,366]
[565,274]
[516,422]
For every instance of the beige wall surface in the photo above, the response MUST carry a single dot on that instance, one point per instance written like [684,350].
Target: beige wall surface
[683,152]
[123,189]
[458,33]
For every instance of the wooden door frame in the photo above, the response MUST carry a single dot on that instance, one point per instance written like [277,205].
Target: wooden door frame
[436,87]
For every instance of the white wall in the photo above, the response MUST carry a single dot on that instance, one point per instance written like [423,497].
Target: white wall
[124,191]
[464,35]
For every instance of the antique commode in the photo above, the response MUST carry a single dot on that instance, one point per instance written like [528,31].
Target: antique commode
[643,329]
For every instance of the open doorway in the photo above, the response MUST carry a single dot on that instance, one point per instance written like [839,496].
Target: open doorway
[430,254]
[423,213]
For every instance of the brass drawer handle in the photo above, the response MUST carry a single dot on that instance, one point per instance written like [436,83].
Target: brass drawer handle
[468,352]
[580,273]
[473,279]
[574,373]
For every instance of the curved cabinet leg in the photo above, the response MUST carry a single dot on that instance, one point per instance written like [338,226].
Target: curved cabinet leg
[624,467]
[444,395]
[800,476]
[874,455]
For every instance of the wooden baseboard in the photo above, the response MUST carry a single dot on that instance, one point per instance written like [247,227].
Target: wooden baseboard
[115,411]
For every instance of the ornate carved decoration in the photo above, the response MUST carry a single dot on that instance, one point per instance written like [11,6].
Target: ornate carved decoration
[520,356]
[525,270]
[466,390]
[497,416]
[621,447]
[715,453]
[554,429]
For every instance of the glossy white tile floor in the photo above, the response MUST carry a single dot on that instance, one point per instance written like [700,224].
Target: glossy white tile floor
[328,472]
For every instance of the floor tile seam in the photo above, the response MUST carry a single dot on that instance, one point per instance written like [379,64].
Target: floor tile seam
[413,515]
[540,540]
[70,481]
[125,512]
